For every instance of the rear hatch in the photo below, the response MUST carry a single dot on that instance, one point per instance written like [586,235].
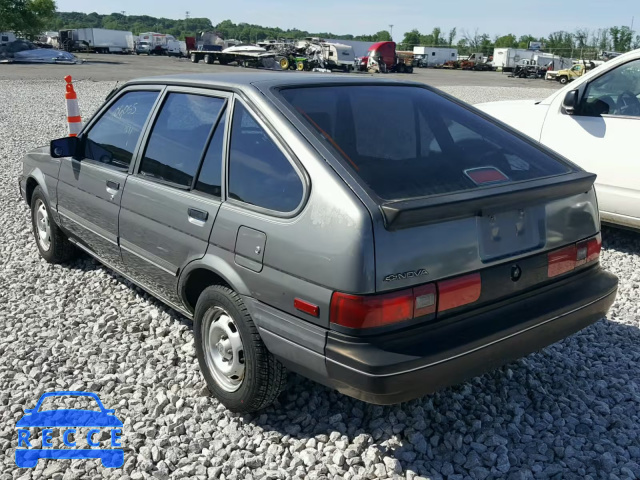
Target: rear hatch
[451,192]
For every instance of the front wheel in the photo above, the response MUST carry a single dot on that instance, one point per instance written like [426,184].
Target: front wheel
[238,368]
[52,243]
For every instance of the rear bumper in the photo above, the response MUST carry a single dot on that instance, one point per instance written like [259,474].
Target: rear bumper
[404,365]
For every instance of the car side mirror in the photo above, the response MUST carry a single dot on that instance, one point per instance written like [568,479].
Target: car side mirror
[570,102]
[64,147]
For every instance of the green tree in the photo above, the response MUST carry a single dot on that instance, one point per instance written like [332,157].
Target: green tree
[436,33]
[506,41]
[26,17]
[411,39]
[452,36]
[382,36]
[560,43]
[621,38]
[525,40]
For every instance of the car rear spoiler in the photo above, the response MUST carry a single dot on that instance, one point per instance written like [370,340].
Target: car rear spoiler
[422,211]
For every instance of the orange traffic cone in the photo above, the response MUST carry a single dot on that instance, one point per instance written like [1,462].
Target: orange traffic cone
[73,110]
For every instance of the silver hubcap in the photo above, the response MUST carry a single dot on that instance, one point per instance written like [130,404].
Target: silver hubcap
[43,226]
[223,349]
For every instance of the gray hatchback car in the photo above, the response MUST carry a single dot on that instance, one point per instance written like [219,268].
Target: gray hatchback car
[381,238]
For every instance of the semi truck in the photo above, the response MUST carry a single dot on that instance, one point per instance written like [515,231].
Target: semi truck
[98,40]
[382,57]
[158,42]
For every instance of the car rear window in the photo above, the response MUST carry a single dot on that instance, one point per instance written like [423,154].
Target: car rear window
[407,142]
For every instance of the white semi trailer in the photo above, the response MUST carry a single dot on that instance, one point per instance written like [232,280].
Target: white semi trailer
[99,40]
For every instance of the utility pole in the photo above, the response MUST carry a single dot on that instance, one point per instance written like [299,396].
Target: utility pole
[391,31]
[186,20]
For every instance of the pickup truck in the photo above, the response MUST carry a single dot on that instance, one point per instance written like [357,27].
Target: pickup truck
[567,75]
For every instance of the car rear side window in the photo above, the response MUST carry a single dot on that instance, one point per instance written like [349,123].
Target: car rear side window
[179,136]
[210,177]
[259,173]
[408,142]
[113,138]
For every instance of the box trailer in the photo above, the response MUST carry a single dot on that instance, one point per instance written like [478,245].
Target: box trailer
[99,40]
[506,59]
[434,56]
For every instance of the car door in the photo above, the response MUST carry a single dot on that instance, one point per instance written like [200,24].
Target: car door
[171,201]
[601,137]
[90,186]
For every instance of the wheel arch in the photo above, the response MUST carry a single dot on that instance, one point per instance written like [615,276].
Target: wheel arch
[36,179]
[200,274]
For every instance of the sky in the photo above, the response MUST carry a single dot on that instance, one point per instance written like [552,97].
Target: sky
[495,17]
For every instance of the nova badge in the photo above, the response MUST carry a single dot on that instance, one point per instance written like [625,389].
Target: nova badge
[403,276]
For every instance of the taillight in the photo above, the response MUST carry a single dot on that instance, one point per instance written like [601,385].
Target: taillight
[568,258]
[459,291]
[562,261]
[355,311]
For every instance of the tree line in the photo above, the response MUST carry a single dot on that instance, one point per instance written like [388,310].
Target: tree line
[190,27]
[582,42]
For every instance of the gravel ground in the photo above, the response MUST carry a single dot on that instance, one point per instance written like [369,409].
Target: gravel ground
[570,411]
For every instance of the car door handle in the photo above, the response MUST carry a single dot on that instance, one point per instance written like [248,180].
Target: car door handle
[198,217]
[112,188]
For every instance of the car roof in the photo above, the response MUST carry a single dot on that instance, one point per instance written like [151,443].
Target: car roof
[253,79]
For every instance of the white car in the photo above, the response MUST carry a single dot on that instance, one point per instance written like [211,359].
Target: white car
[594,122]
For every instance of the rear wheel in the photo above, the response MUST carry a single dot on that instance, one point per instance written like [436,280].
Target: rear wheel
[563,80]
[409,69]
[238,368]
[194,58]
[283,62]
[52,243]
[208,59]
[401,68]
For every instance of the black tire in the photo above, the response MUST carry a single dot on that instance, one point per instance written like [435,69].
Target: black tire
[194,58]
[264,376]
[563,80]
[409,69]
[60,249]
[208,59]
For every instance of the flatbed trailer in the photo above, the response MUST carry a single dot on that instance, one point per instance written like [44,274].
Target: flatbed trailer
[246,59]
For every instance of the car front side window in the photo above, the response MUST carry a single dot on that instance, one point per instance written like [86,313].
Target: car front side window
[615,93]
[113,138]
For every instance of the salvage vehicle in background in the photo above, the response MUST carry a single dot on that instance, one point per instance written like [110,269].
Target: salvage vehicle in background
[382,57]
[594,122]
[381,238]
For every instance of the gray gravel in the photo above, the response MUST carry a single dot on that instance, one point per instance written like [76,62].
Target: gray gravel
[570,411]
